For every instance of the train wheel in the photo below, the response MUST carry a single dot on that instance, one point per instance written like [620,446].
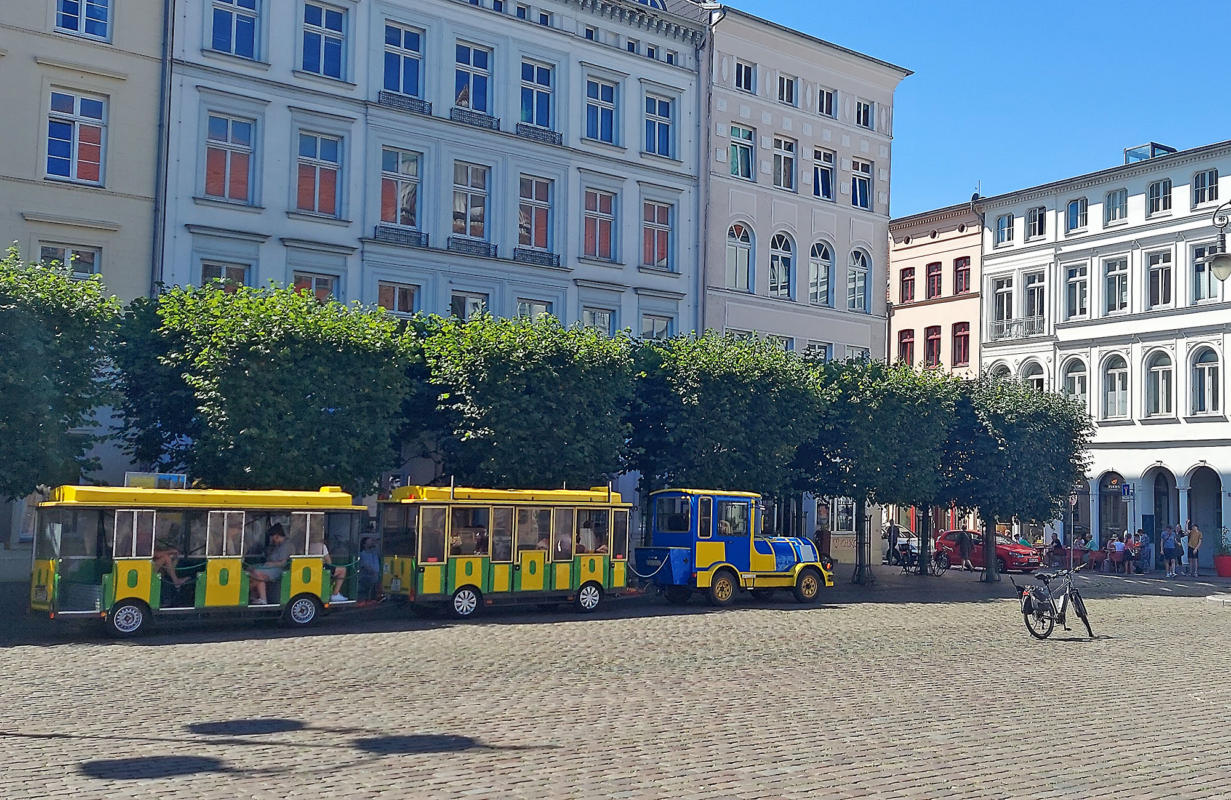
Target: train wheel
[466,602]
[722,589]
[127,618]
[302,611]
[588,597]
[808,587]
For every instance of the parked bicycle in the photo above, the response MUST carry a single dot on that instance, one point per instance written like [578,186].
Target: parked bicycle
[1044,606]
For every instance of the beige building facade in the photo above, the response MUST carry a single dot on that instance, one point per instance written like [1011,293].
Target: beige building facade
[934,269]
[79,169]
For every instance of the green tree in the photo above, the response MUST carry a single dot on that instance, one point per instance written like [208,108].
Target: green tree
[278,389]
[55,332]
[720,412]
[527,403]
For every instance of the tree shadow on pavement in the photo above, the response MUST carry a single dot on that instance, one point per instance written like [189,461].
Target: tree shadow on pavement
[147,767]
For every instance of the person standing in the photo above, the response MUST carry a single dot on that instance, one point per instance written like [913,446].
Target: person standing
[1183,551]
[965,547]
[1194,548]
[895,533]
[1169,551]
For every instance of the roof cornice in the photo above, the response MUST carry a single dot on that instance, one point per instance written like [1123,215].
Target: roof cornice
[935,215]
[646,18]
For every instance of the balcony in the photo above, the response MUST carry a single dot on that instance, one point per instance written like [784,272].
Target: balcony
[539,258]
[405,237]
[537,134]
[475,118]
[1022,328]
[404,102]
[471,247]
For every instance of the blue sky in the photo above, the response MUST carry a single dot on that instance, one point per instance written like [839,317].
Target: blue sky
[1017,94]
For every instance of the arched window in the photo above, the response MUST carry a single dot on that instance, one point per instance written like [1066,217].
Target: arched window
[820,264]
[1032,374]
[906,346]
[739,258]
[1160,380]
[1115,388]
[780,261]
[1207,397]
[1000,371]
[1076,381]
[857,282]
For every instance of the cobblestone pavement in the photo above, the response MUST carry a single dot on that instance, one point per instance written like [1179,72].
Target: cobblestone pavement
[912,688]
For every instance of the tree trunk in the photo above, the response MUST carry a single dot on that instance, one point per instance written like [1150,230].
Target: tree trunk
[863,567]
[990,575]
[925,540]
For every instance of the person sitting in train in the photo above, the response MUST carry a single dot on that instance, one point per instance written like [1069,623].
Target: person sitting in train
[724,528]
[318,548]
[167,556]
[276,559]
[480,543]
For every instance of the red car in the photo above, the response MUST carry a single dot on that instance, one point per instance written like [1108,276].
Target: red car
[1010,555]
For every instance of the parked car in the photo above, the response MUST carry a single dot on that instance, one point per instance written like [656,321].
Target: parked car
[1010,556]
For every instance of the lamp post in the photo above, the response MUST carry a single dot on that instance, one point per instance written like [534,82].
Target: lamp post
[1219,264]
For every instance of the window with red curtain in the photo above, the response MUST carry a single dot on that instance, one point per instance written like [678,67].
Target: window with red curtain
[961,275]
[228,158]
[961,344]
[319,160]
[906,347]
[931,353]
[933,280]
[906,287]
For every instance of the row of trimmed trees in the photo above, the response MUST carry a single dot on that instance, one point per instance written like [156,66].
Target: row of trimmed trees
[269,387]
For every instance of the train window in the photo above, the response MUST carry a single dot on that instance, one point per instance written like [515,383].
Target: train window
[80,533]
[592,530]
[619,535]
[258,524]
[225,534]
[563,547]
[470,531]
[533,528]
[732,517]
[671,515]
[307,532]
[134,534]
[341,532]
[169,531]
[502,534]
[432,534]
[196,523]
[705,518]
[399,529]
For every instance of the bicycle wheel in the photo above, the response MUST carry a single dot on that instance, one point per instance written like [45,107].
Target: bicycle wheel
[1039,621]
[940,564]
[1079,606]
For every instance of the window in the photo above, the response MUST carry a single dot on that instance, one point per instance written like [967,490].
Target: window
[654,326]
[234,27]
[658,126]
[741,152]
[784,343]
[1075,380]
[651,52]
[906,285]
[600,110]
[865,116]
[844,515]
[1034,296]
[906,346]
[399,187]
[536,94]
[1159,379]
[403,60]
[1032,374]
[633,46]
[1206,398]
[1205,285]
[739,258]
[746,77]
[1036,223]
[532,309]
[86,17]
[82,261]
[319,162]
[780,266]
[821,351]
[534,213]
[599,225]
[858,353]
[1158,197]
[396,297]
[861,183]
[656,235]
[820,264]
[602,319]
[786,90]
[672,57]
[1075,215]
[1115,388]
[961,275]
[1159,268]
[544,18]
[1115,285]
[322,40]
[75,137]
[467,305]
[1002,302]
[1205,187]
[472,77]
[857,282]
[470,188]
[784,163]
[1115,208]
[498,6]
[228,158]
[931,346]
[322,286]
[825,102]
[823,174]
[522,12]
[961,344]
[1076,291]
[591,34]
[235,274]
[1004,229]
[934,280]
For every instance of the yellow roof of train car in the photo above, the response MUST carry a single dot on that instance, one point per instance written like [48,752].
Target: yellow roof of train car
[326,497]
[598,495]
[723,492]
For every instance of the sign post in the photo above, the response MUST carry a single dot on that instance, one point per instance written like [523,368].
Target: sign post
[1072,539]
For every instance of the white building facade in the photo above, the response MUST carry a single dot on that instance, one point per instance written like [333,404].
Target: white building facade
[442,156]
[1097,286]
[797,185]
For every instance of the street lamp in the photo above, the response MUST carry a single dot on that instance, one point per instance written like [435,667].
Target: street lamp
[1219,264]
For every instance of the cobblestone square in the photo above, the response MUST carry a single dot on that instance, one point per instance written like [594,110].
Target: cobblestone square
[913,688]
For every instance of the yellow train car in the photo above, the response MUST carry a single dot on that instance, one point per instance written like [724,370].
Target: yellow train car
[469,548]
[126,555]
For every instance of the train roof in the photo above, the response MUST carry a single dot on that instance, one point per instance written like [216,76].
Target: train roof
[325,497]
[597,495]
[722,492]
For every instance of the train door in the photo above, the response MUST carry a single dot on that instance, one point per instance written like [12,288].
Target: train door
[734,529]
[226,583]
[133,574]
[500,573]
[563,521]
[433,522]
[533,540]
[619,549]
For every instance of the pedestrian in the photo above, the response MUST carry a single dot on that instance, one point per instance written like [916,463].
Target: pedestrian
[1169,550]
[965,548]
[1194,549]
[895,533]
[1183,551]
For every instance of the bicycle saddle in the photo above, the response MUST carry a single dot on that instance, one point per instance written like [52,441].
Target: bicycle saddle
[1044,576]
